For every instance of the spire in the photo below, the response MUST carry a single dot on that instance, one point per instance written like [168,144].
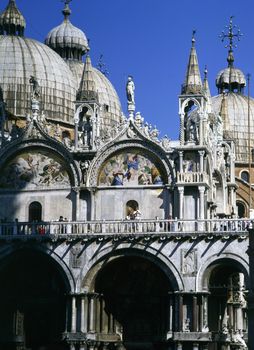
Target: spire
[87,90]
[231,35]
[193,83]
[206,84]
[12,21]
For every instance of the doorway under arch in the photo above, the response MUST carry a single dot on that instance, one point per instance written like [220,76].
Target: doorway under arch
[32,302]
[136,293]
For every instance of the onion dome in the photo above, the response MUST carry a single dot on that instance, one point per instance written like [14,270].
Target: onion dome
[193,83]
[21,58]
[95,86]
[230,79]
[12,21]
[67,40]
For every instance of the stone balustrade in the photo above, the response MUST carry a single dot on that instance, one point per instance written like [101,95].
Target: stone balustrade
[192,177]
[194,228]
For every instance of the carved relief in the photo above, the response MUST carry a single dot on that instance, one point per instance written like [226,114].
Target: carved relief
[189,262]
[75,257]
[34,169]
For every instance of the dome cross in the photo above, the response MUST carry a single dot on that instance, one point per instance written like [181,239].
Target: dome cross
[231,35]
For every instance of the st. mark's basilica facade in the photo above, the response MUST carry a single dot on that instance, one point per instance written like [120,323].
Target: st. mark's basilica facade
[112,238]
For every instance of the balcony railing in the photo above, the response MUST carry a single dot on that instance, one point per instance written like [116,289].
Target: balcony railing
[191,177]
[156,227]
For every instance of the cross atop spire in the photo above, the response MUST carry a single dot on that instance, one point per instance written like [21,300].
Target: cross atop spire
[231,35]
[193,40]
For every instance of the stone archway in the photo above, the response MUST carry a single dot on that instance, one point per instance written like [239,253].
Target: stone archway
[32,302]
[227,304]
[137,294]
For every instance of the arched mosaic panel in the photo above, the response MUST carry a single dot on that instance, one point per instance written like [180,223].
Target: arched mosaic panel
[34,169]
[131,167]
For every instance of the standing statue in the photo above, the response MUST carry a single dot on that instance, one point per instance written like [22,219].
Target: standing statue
[36,88]
[130,88]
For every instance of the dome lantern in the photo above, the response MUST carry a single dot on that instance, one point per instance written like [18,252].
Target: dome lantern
[230,79]
[12,21]
[67,40]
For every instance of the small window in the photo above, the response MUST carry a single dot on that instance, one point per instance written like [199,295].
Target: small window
[131,209]
[241,210]
[35,212]
[245,176]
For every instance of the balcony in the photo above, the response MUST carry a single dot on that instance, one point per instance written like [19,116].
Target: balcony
[192,177]
[122,229]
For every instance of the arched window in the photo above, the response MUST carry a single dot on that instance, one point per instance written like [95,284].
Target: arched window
[241,209]
[245,176]
[35,212]
[131,209]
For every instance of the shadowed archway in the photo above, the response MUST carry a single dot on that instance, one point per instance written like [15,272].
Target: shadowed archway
[136,293]
[32,302]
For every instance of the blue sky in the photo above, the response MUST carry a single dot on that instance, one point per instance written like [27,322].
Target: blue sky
[151,40]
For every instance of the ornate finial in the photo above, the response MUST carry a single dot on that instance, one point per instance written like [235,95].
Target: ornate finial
[66,11]
[193,40]
[102,66]
[230,36]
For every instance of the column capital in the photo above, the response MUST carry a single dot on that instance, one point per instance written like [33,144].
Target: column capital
[201,153]
[201,188]
[180,189]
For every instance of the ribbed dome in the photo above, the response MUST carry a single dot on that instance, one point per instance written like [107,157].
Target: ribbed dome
[67,40]
[66,35]
[230,79]
[233,108]
[21,58]
[95,86]
[12,21]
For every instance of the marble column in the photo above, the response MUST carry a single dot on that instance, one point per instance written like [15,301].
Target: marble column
[104,317]
[181,161]
[181,198]
[73,314]
[201,161]
[84,313]
[180,316]
[205,313]
[194,314]
[201,202]
[92,311]
[195,346]
[170,313]
[179,346]
[182,129]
